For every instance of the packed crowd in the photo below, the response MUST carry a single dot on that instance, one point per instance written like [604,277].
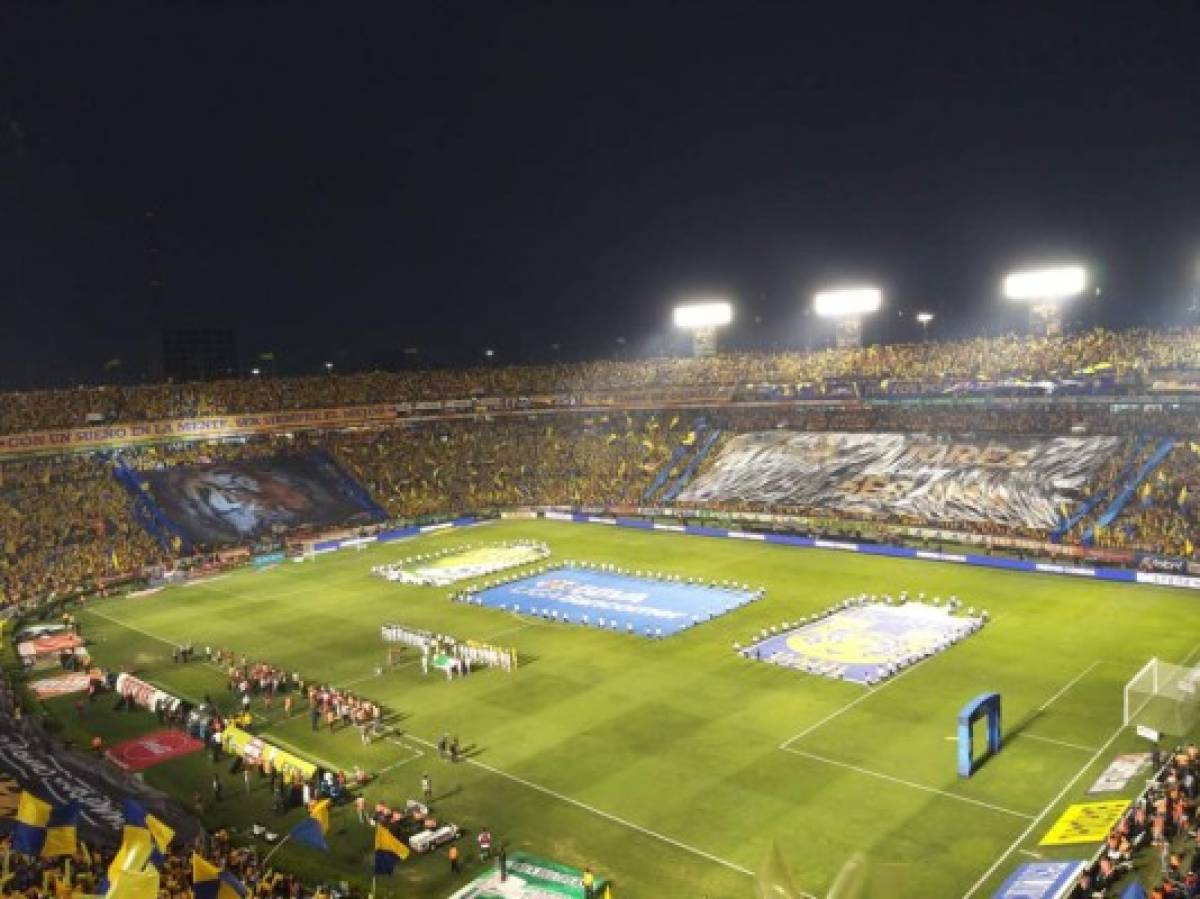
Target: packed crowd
[1164,516]
[1162,823]
[1128,354]
[64,523]
[489,464]
[53,878]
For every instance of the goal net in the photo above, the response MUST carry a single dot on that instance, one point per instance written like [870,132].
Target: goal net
[1164,697]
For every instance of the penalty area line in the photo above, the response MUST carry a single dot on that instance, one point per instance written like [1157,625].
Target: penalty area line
[1069,684]
[851,704]
[608,816]
[908,783]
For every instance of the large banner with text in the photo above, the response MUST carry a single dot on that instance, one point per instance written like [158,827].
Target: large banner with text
[104,436]
[1022,482]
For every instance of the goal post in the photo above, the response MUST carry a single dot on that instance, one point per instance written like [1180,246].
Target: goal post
[1163,697]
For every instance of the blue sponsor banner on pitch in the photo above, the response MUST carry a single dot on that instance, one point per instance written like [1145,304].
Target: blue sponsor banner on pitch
[1040,880]
[621,602]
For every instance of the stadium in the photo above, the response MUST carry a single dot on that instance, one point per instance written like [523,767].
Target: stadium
[692,625]
[572,451]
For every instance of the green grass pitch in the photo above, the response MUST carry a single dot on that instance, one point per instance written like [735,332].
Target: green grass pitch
[674,766]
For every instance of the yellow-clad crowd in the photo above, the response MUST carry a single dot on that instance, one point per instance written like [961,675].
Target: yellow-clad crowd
[1130,354]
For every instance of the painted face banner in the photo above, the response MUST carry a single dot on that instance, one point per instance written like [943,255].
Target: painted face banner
[232,502]
[1022,482]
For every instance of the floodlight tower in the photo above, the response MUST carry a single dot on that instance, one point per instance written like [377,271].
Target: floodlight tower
[847,306]
[1046,290]
[924,318]
[704,319]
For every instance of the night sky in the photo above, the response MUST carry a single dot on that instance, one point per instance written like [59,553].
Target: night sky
[341,185]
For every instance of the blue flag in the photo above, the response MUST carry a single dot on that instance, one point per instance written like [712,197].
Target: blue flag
[309,833]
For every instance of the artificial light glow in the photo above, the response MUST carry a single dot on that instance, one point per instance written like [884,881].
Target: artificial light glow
[1046,284]
[848,302]
[924,317]
[703,315]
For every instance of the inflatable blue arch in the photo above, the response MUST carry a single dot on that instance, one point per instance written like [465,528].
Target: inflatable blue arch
[984,705]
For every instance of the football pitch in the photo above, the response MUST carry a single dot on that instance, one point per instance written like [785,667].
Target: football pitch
[675,767]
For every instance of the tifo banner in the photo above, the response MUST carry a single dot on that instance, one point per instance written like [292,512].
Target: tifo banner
[529,877]
[1023,482]
[102,436]
[1040,880]
[1120,772]
[153,749]
[1085,822]
[234,502]
[10,796]
[60,685]
[44,774]
[255,751]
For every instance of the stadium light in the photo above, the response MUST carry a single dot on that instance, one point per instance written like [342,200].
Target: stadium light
[712,314]
[1046,285]
[329,366]
[256,371]
[924,318]
[703,319]
[849,301]
[847,306]
[1045,290]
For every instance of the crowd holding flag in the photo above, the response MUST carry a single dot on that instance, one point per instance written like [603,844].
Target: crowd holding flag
[45,829]
[136,866]
[210,882]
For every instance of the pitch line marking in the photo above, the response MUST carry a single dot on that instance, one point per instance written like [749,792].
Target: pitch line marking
[1067,743]
[909,783]
[851,704]
[678,844]
[526,783]
[1024,835]
[1072,682]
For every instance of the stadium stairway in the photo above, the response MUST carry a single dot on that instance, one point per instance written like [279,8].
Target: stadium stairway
[705,445]
[663,473]
[1127,492]
[147,513]
[1102,494]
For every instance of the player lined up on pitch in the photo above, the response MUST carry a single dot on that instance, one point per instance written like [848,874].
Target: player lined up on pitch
[327,705]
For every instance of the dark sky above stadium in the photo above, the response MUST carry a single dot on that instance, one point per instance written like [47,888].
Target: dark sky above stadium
[340,183]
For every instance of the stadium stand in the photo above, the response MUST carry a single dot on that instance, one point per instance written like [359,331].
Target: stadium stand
[616,436]
[71,522]
[1095,360]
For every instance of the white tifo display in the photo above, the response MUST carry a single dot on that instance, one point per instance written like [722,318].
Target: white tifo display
[1016,481]
[460,563]
[1163,697]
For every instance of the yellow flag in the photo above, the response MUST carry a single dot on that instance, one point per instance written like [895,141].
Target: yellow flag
[135,885]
